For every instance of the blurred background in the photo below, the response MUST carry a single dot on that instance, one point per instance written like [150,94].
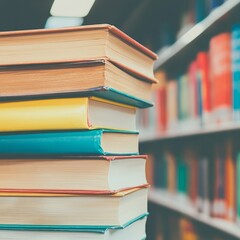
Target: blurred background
[192,132]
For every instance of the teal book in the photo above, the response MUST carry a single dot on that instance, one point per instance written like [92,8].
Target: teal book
[93,142]
[182,176]
[236,70]
[134,230]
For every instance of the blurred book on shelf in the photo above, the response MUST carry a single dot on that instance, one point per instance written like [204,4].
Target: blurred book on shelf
[182,228]
[203,97]
[190,13]
[204,177]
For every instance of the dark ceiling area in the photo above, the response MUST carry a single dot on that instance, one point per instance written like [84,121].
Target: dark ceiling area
[141,19]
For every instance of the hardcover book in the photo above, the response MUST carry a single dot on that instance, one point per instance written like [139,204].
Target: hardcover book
[94,142]
[75,44]
[235,56]
[26,210]
[135,230]
[66,114]
[75,79]
[84,174]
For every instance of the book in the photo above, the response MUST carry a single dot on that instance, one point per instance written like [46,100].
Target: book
[204,82]
[219,201]
[183,102]
[182,180]
[160,102]
[171,172]
[230,182]
[94,142]
[235,56]
[187,229]
[135,229]
[193,94]
[150,169]
[71,210]
[203,185]
[172,107]
[76,44]
[193,164]
[200,10]
[98,78]
[66,114]
[83,174]
[237,188]
[221,78]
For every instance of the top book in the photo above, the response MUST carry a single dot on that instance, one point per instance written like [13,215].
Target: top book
[76,44]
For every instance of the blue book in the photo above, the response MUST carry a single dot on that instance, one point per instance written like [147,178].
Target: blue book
[93,142]
[200,10]
[236,70]
[134,229]
[215,3]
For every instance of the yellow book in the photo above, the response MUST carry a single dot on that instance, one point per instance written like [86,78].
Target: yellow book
[66,114]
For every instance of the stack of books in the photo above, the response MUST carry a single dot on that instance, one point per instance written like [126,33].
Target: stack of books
[69,163]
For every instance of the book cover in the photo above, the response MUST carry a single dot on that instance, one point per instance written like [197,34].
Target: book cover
[65,114]
[200,10]
[69,45]
[68,143]
[204,85]
[72,228]
[98,78]
[235,54]
[172,105]
[219,202]
[238,188]
[160,103]
[70,174]
[230,182]
[80,209]
[182,176]
[221,78]
[193,93]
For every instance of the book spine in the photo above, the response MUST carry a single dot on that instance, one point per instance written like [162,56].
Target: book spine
[204,86]
[238,187]
[161,109]
[200,10]
[215,3]
[221,77]
[236,71]
[172,105]
[230,182]
[51,114]
[220,191]
[84,142]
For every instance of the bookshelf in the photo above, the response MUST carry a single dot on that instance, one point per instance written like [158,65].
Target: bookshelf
[168,201]
[198,33]
[203,141]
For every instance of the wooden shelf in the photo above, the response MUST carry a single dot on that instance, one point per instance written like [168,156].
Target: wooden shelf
[190,133]
[165,200]
[196,33]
